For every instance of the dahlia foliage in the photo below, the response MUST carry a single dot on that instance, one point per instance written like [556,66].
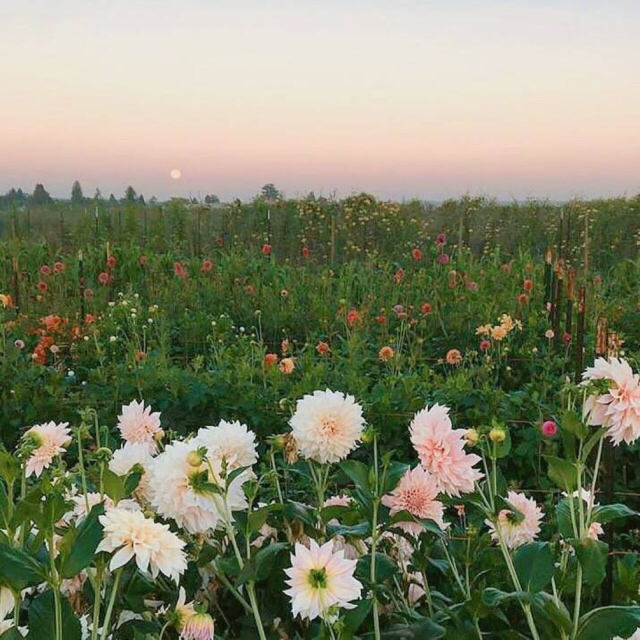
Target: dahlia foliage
[315,532]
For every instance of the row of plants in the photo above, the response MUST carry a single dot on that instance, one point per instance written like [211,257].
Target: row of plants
[598,232]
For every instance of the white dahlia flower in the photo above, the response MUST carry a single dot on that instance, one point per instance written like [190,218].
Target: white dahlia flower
[137,425]
[154,547]
[321,581]
[50,440]
[327,425]
[179,490]
[232,442]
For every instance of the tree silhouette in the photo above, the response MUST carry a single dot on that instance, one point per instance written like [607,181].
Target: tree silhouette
[130,194]
[76,193]
[270,193]
[40,196]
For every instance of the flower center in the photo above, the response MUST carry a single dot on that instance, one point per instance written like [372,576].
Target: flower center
[318,578]
[329,425]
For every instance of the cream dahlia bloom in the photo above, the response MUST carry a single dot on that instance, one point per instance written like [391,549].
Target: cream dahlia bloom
[441,450]
[619,407]
[321,581]
[125,458]
[416,493]
[327,425]
[154,547]
[50,440]
[176,491]
[232,442]
[138,425]
[515,533]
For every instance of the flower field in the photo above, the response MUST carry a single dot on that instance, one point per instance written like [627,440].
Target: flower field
[318,419]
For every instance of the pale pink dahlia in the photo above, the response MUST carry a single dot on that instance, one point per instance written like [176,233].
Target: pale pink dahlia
[441,450]
[514,532]
[416,493]
[50,440]
[199,626]
[138,425]
[619,407]
[321,581]
[154,547]
[327,425]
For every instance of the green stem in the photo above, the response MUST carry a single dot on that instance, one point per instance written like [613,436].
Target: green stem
[97,601]
[596,469]
[234,592]
[576,605]
[164,628]
[526,607]
[83,474]
[112,600]
[374,540]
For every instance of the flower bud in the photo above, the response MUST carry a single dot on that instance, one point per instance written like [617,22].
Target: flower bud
[497,435]
[367,436]
[196,458]
[103,454]
[472,437]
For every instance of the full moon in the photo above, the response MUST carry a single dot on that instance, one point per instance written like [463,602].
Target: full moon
[176,174]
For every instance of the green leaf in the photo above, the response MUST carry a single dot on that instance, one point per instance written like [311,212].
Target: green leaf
[133,478]
[573,423]
[358,473]
[358,530]
[563,516]
[493,597]
[42,618]
[606,622]
[545,604]
[265,559]
[534,565]
[592,442]
[563,473]
[11,634]
[298,511]
[9,467]
[592,555]
[354,618]
[385,567]
[425,629]
[113,485]
[610,512]
[87,539]
[236,473]
[261,565]
[20,570]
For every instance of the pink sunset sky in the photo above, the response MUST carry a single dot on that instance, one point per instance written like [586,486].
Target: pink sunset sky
[512,99]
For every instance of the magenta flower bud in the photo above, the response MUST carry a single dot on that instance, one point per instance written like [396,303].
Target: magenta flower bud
[549,428]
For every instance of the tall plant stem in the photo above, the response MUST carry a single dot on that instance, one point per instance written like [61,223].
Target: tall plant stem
[526,607]
[97,601]
[112,600]
[374,539]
